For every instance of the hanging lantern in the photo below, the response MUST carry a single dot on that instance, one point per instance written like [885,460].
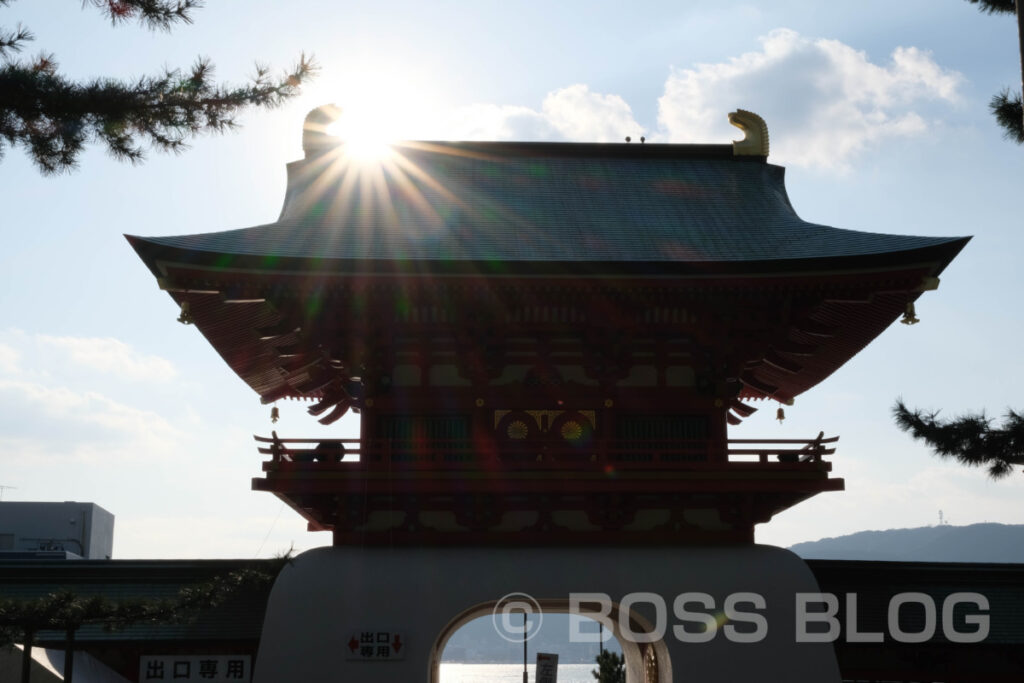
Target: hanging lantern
[909,316]
[275,414]
[185,318]
[780,414]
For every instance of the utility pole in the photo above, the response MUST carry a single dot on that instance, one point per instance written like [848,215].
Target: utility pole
[526,676]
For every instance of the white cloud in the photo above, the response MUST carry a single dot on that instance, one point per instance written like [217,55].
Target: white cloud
[59,421]
[112,356]
[824,101]
[500,122]
[9,358]
[581,115]
[54,410]
[573,113]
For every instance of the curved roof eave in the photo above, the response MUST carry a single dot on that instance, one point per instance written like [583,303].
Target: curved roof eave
[932,253]
[544,208]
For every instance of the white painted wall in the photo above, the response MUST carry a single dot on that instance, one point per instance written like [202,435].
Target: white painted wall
[328,594]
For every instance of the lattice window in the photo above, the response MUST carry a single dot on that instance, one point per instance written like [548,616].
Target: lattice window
[431,427]
[642,438]
[427,438]
[661,427]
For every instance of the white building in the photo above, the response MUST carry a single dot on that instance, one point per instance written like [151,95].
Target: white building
[77,530]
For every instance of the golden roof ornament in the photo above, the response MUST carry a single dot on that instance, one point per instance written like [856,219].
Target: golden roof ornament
[314,129]
[755,140]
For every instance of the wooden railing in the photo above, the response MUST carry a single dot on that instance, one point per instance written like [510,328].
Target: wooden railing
[464,454]
[784,450]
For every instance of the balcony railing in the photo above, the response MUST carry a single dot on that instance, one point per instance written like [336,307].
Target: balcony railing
[464,454]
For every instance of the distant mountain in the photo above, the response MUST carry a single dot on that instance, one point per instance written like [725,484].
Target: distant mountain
[479,641]
[973,543]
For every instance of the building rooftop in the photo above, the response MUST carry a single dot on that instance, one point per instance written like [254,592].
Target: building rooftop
[672,209]
[696,220]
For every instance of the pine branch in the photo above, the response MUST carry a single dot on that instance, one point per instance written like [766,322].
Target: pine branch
[995,6]
[54,118]
[1007,109]
[970,439]
[11,41]
[153,14]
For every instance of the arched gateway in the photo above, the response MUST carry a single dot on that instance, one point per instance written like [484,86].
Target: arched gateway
[328,597]
[545,344]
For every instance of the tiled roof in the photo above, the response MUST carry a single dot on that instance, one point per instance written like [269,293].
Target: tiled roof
[530,202]
[694,215]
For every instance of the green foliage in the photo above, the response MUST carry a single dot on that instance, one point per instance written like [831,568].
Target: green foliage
[155,14]
[53,118]
[971,439]
[995,6]
[611,668]
[64,609]
[1005,106]
[1007,109]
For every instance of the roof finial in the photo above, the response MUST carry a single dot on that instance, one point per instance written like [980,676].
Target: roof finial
[314,128]
[755,140]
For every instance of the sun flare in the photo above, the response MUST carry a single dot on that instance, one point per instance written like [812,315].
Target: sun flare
[366,135]
[380,105]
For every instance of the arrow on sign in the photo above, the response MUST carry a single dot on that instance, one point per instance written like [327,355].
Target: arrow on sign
[353,644]
[397,645]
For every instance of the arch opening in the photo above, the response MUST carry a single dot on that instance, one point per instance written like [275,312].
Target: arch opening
[485,643]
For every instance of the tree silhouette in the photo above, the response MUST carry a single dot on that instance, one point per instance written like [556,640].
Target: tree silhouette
[971,439]
[611,668]
[53,118]
[1006,105]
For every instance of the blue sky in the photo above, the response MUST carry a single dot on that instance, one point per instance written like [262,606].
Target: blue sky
[877,109]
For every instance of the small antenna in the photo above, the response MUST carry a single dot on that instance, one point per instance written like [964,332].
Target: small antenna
[4,488]
[941,522]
